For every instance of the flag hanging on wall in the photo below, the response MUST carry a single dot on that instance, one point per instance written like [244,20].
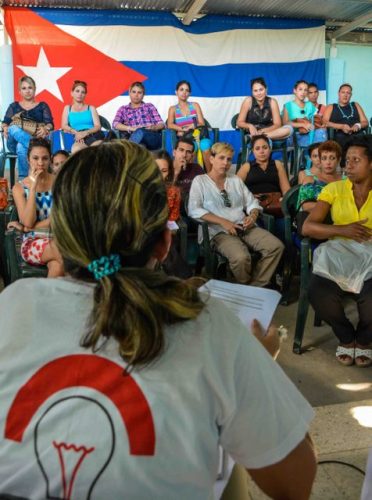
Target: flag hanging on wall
[218,55]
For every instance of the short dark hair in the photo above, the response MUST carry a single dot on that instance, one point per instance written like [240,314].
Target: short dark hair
[345,85]
[312,84]
[61,152]
[299,83]
[139,85]
[361,141]
[39,142]
[259,80]
[256,138]
[313,146]
[183,82]
[186,140]
[330,146]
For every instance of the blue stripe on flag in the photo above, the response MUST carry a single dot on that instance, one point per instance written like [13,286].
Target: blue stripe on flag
[228,79]
[208,24]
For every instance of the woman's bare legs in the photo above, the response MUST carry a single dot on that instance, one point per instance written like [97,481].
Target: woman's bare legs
[53,260]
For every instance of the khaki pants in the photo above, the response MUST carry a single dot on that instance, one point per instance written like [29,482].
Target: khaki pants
[237,251]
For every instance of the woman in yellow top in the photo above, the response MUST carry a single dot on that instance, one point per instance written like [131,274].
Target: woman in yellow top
[349,202]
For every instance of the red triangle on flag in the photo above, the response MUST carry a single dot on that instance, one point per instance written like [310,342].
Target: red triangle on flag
[34,37]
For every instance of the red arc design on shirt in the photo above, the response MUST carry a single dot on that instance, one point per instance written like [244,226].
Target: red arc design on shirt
[106,77]
[84,370]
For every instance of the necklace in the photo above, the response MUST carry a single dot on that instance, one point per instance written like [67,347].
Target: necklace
[347,117]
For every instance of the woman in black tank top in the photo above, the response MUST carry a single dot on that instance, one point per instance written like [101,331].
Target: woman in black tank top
[264,175]
[259,114]
[346,117]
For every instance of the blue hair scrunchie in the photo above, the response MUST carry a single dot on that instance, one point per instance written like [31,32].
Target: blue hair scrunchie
[104,266]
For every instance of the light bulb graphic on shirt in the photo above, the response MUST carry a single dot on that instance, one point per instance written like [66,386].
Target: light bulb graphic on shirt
[71,453]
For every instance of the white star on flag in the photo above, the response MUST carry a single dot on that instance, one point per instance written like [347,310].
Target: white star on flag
[45,76]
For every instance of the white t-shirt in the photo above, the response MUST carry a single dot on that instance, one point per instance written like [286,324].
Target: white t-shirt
[72,423]
[205,197]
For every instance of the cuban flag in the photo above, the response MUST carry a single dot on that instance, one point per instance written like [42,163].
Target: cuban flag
[218,55]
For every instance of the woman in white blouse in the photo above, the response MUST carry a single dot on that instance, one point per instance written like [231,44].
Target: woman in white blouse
[232,211]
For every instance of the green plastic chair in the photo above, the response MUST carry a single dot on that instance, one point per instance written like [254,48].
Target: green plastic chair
[244,139]
[4,156]
[17,268]
[303,253]
[288,152]
[216,264]
[169,137]
[7,215]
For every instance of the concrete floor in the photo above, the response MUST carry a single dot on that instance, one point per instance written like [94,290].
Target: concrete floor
[341,396]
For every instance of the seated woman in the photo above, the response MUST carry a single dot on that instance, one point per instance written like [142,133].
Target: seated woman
[185,117]
[259,114]
[132,358]
[81,119]
[300,115]
[33,199]
[17,138]
[232,211]
[139,121]
[264,175]
[349,202]
[312,163]
[165,164]
[330,156]
[58,159]
[174,264]
[348,118]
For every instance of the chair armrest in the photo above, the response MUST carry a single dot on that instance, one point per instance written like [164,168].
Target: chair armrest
[206,246]
[183,237]
[268,222]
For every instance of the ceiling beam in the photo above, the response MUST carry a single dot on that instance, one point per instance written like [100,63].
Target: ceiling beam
[359,21]
[193,11]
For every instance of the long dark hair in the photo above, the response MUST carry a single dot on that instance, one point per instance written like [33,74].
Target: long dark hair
[162,154]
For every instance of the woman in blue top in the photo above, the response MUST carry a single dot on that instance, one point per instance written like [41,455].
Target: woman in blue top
[18,139]
[81,119]
[300,115]
[33,199]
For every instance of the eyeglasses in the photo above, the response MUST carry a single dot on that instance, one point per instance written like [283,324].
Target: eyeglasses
[225,197]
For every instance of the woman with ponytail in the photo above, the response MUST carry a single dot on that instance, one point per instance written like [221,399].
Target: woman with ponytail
[123,380]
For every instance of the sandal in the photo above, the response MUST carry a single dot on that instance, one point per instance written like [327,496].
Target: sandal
[363,357]
[347,352]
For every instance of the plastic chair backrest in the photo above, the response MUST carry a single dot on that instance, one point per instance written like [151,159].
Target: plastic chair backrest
[105,124]
[234,119]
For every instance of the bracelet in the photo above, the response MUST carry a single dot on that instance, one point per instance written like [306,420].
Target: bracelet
[359,125]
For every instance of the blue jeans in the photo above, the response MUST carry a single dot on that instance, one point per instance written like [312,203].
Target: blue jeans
[149,138]
[18,142]
[317,135]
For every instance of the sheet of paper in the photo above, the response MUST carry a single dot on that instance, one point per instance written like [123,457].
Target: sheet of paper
[172,225]
[247,302]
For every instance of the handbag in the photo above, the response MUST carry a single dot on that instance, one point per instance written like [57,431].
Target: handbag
[22,121]
[203,133]
[271,203]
